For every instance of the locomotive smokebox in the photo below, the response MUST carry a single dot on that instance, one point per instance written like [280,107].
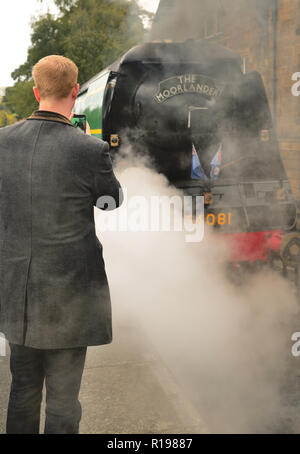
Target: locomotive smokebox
[204,124]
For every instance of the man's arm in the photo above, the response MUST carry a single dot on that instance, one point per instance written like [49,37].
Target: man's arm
[107,190]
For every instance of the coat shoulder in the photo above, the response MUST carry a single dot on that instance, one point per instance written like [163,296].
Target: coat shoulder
[7,131]
[90,142]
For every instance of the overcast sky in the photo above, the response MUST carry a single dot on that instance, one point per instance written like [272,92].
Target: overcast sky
[15,31]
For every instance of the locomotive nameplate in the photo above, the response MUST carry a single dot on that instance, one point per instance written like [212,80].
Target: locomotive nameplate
[188,83]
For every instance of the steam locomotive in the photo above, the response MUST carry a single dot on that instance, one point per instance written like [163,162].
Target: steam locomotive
[189,104]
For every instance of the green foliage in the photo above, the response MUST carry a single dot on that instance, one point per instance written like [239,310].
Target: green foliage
[99,32]
[46,38]
[20,99]
[93,33]
[6,117]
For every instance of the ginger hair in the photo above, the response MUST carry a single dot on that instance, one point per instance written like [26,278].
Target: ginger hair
[55,76]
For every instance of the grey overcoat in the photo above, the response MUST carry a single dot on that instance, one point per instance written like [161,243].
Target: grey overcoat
[53,286]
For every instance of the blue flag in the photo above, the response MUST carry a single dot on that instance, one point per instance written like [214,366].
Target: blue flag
[216,164]
[197,172]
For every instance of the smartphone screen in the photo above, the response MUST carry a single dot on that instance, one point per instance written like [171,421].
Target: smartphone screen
[79,121]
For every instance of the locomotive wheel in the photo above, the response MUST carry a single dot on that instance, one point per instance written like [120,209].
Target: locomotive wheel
[290,249]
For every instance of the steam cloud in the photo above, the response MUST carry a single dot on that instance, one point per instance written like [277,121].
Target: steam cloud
[228,346]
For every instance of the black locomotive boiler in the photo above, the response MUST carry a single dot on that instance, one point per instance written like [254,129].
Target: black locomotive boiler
[207,127]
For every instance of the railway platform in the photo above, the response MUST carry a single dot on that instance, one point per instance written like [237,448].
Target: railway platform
[126,389]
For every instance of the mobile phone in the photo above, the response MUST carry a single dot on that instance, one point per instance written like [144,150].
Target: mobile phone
[79,121]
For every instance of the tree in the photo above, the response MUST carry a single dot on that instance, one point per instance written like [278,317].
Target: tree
[47,39]
[93,33]
[99,32]
[6,117]
[20,99]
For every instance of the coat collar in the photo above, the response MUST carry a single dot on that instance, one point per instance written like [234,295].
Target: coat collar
[49,116]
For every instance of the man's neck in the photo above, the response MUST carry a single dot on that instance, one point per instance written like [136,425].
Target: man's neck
[57,108]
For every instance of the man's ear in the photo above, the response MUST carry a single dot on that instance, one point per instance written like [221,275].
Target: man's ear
[75,91]
[36,94]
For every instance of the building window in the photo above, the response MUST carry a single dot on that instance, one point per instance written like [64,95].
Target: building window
[245,64]
[213,24]
[220,20]
[297,98]
[201,33]
[209,26]
[298,20]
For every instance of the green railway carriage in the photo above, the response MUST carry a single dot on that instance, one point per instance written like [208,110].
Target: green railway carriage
[90,101]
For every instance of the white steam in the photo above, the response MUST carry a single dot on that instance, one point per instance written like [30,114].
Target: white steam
[228,346]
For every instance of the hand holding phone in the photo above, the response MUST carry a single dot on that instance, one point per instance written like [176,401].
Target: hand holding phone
[79,122]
